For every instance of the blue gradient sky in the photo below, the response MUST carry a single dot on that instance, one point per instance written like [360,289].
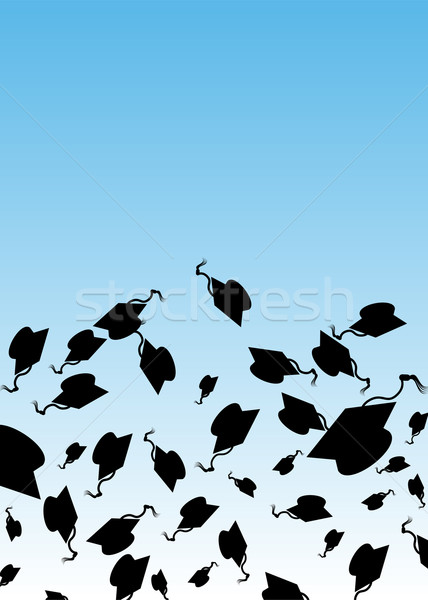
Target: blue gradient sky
[286,143]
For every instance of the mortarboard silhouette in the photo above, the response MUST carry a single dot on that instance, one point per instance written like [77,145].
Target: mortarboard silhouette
[60,515]
[160,584]
[22,457]
[123,319]
[233,545]
[110,454]
[308,508]
[55,596]
[8,574]
[416,488]
[73,452]
[115,535]
[128,575]
[300,416]
[417,423]
[334,358]
[272,366]
[77,392]
[201,577]
[206,385]
[246,486]
[168,465]
[157,364]
[281,589]
[395,465]
[26,348]
[82,346]
[357,439]
[195,513]
[231,426]
[229,297]
[286,465]
[332,540]
[13,527]
[376,320]
[375,501]
[366,565]
[420,544]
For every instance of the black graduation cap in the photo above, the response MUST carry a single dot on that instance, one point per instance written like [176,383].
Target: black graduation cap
[201,577]
[229,297]
[26,348]
[21,457]
[357,439]
[77,392]
[128,575]
[13,527]
[308,508]
[395,465]
[416,488]
[168,465]
[281,589]
[332,539]
[206,385]
[231,426]
[420,544]
[157,365]
[334,358]
[286,465]
[73,452]
[233,545]
[195,513]
[160,584]
[246,485]
[116,535]
[300,416]
[60,515]
[8,574]
[417,423]
[377,319]
[55,596]
[366,565]
[122,320]
[82,346]
[375,501]
[110,454]
[272,366]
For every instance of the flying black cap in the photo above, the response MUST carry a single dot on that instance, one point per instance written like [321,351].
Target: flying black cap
[299,416]
[231,426]
[128,575]
[27,347]
[271,365]
[83,345]
[281,589]
[332,357]
[110,453]
[377,319]
[115,535]
[122,320]
[196,513]
[232,544]
[367,564]
[310,508]
[59,514]
[22,457]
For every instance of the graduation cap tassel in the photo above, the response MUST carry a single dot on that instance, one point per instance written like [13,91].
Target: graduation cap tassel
[152,293]
[340,335]
[172,539]
[198,272]
[323,420]
[146,439]
[366,379]
[403,378]
[61,369]
[324,555]
[247,575]
[415,539]
[140,347]
[146,508]
[99,492]
[73,552]
[283,512]
[43,412]
[411,439]
[15,387]
[211,468]
[311,372]
[366,589]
